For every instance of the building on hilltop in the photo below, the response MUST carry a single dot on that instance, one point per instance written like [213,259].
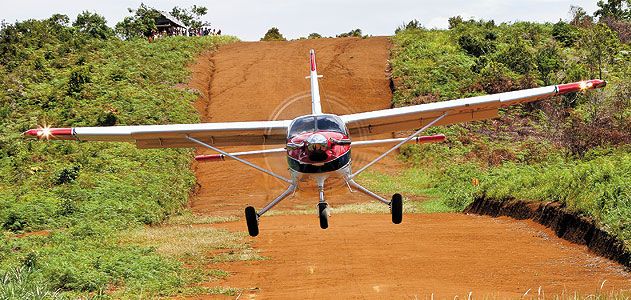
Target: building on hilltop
[169,25]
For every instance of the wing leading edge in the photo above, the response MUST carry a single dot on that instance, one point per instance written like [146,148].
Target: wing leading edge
[458,111]
[174,136]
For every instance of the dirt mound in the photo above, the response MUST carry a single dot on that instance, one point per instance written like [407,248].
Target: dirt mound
[361,256]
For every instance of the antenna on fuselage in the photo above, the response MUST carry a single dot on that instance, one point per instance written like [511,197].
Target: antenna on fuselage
[316,107]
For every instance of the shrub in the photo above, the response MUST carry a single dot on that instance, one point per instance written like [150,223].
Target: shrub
[273,34]
[565,33]
[314,36]
[353,33]
[412,25]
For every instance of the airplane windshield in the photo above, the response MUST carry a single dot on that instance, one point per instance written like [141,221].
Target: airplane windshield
[315,123]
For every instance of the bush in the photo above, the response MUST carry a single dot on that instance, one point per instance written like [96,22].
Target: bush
[353,33]
[314,36]
[273,34]
[565,33]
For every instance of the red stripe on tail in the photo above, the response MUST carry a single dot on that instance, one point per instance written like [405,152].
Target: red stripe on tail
[313,63]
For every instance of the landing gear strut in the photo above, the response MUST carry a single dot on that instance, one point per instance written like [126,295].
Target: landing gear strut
[396,204]
[252,217]
[323,207]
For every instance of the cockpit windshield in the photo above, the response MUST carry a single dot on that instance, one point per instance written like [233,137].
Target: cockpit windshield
[316,123]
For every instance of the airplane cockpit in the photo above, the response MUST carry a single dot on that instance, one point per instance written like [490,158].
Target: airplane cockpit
[308,124]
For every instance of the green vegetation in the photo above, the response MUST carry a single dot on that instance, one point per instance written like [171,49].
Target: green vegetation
[572,149]
[66,209]
[353,33]
[273,34]
[314,35]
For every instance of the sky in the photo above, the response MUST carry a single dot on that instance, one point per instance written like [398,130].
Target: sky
[250,19]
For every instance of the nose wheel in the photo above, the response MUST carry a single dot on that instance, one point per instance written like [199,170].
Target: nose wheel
[323,213]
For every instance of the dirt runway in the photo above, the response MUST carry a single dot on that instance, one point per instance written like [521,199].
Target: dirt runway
[361,256]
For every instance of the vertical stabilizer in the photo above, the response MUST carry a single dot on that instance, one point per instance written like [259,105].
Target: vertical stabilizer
[316,107]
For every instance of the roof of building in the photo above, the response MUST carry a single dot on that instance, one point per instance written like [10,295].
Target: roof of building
[172,18]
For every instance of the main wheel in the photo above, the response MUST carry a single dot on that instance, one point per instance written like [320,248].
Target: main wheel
[323,213]
[252,219]
[396,208]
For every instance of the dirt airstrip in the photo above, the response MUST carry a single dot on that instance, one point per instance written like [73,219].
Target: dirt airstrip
[361,256]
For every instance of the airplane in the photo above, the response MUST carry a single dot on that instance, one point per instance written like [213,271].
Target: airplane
[318,145]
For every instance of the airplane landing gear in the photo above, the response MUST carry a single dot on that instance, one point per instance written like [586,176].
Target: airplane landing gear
[323,213]
[323,207]
[252,219]
[396,208]
[396,204]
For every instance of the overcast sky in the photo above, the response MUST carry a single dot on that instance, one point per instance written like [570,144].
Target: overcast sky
[250,19]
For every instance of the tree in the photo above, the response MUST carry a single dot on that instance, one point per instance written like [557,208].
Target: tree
[455,21]
[191,16]
[141,24]
[547,60]
[412,25]
[600,44]
[353,33]
[314,36]
[617,9]
[565,33]
[273,34]
[517,56]
[579,17]
[92,24]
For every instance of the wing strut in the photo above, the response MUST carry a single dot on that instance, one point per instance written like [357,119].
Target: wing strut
[240,160]
[397,146]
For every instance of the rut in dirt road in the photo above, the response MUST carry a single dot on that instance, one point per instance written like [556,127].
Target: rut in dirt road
[361,256]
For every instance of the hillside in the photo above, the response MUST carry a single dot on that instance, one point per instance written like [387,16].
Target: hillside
[573,149]
[65,207]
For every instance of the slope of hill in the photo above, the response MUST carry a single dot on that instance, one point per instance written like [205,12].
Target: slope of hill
[64,207]
[572,149]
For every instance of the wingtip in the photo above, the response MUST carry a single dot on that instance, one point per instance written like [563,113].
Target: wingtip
[50,133]
[31,133]
[580,86]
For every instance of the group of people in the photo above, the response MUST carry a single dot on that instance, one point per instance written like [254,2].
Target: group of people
[172,31]
[203,31]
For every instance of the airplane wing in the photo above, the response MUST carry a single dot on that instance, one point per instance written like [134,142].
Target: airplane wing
[175,136]
[458,111]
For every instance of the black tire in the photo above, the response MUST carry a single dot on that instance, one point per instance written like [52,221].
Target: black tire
[323,213]
[252,220]
[396,208]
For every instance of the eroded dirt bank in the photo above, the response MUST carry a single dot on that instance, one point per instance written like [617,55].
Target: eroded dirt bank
[362,256]
[566,225]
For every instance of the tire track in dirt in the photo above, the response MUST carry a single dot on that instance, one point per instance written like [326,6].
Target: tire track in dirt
[360,256]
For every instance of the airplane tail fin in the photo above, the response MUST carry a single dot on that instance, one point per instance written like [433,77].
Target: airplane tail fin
[316,107]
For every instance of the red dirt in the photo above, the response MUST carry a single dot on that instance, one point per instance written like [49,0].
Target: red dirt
[361,256]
